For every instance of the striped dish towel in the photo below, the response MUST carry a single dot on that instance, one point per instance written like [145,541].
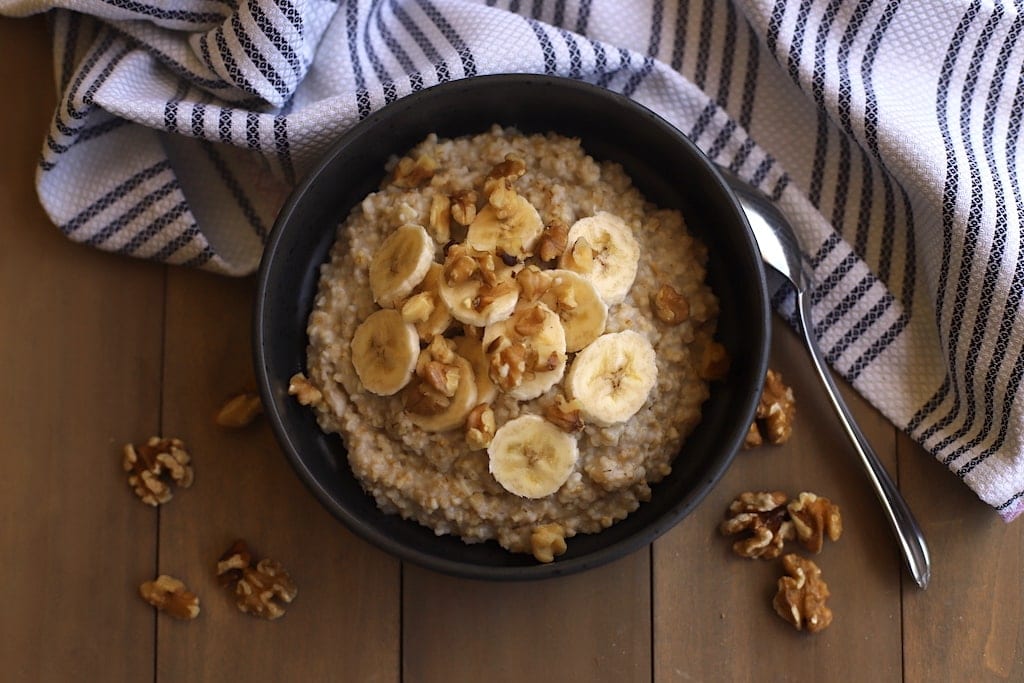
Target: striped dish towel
[888,130]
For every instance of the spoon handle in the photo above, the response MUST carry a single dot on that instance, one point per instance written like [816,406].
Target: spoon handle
[898,514]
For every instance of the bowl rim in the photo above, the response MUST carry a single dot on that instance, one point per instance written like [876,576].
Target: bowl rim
[359,526]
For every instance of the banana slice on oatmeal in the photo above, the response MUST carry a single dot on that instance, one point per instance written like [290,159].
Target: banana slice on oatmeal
[444,390]
[400,264]
[578,305]
[612,377]
[602,249]
[531,457]
[384,350]
[477,286]
[424,308]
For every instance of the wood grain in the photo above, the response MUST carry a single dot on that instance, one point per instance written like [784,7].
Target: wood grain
[80,338]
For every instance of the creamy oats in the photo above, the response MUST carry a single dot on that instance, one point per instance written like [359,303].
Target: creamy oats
[420,451]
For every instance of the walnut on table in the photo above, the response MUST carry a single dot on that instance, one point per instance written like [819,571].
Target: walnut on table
[813,518]
[154,466]
[802,594]
[764,520]
[171,596]
[259,588]
[239,411]
[773,421]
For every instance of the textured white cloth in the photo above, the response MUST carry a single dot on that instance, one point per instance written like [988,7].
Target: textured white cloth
[887,130]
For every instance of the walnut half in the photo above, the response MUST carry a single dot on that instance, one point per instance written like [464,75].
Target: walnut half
[154,466]
[773,421]
[259,588]
[813,518]
[801,595]
[171,596]
[763,519]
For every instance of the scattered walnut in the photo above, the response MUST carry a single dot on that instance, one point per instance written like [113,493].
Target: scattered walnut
[303,390]
[411,172]
[753,438]
[764,518]
[439,221]
[528,321]
[801,596]
[154,466]
[510,360]
[553,240]
[512,168]
[565,414]
[171,596]
[259,589]
[463,206]
[581,256]
[714,362]
[813,518]
[239,411]
[669,305]
[547,542]
[533,282]
[480,427]
[775,412]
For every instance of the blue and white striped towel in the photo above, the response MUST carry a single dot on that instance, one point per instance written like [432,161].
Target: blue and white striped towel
[888,130]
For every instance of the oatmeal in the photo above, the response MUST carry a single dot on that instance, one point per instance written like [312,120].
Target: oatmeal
[511,341]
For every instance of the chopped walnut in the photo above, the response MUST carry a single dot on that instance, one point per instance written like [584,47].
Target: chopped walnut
[439,221]
[753,439]
[510,360]
[533,282]
[154,466]
[463,206]
[581,256]
[670,306]
[303,390]
[565,414]
[714,362]
[801,596]
[410,173]
[480,427]
[463,263]
[547,542]
[553,241]
[813,518]
[528,321]
[775,412]
[419,307]
[171,596]
[763,517]
[239,411]
[259,589]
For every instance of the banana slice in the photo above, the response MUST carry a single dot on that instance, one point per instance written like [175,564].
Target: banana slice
[531,457]
[400,264]
[432,411]
[526,351]
[612,377]
[514,229]
[477,287]
[580,308]
[425,309]
[602,249]
[472,350]
[384,352]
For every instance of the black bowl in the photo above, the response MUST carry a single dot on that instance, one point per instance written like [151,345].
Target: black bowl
[667,168]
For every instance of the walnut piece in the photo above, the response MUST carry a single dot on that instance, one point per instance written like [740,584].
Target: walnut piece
[764,519]
[547,542]
[154,466]
[553,241]
[714,362]
[463,206]
[171,596]
[410,173]
[259,589]
[801,596]
[775,412]
[303,390]
[439,220]
[813,518]
[565,414]
[670,306]
[533,283]
[480,427]
[239,411]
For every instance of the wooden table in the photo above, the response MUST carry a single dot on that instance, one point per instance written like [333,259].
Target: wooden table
[99,350]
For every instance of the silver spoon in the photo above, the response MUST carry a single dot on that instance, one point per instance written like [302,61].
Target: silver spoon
[780,250]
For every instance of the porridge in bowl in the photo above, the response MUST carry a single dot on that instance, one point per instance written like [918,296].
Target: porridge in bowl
[510,340]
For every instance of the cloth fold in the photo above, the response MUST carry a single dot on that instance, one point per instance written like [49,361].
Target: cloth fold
[887,130]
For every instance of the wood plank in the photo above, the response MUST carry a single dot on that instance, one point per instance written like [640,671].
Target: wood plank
[345,620]
[972,612]
[713,618]
[591,627]
[80,348]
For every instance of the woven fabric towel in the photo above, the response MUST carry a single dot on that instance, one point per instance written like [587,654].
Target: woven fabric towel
[888,131]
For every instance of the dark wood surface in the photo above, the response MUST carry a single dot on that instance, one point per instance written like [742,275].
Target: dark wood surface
[99,350]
